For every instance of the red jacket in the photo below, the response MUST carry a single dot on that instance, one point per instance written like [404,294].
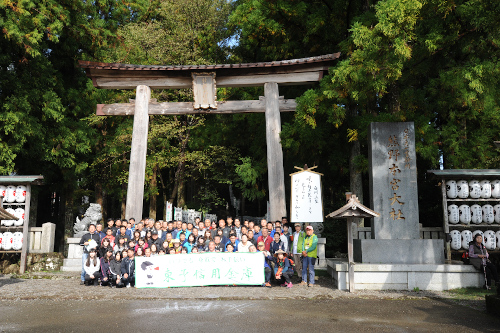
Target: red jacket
[266,241]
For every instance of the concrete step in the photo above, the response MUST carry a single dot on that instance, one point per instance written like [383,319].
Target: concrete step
[71,269]
[72,262]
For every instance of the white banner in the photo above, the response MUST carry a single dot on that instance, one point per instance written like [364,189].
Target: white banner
[168,214]
[199,269]
[306,204]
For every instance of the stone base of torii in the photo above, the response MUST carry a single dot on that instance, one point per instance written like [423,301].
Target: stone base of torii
[203,81]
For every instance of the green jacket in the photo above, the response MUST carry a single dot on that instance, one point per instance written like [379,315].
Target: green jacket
[312,243]
[302,235]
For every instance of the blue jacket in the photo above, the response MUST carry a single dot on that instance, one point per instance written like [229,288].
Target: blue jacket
[235,246]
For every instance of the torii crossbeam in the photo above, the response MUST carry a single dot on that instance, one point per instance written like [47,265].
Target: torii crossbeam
[204,79]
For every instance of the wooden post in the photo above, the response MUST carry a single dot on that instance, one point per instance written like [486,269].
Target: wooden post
[275,171]
[137,168]
[446,226]
[24,249]
[350,222]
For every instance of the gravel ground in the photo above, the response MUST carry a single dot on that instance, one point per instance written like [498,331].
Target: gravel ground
[66,286]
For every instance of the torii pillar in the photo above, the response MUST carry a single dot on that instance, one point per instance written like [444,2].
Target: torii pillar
[275,171]
[137,167]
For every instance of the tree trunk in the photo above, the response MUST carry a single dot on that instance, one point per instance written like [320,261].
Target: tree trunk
[99,197]
[153,197]
[66,212]
[179,186]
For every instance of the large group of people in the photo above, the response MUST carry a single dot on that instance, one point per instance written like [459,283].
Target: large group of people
[109,252]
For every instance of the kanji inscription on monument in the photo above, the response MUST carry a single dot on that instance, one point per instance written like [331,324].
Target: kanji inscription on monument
[393,180]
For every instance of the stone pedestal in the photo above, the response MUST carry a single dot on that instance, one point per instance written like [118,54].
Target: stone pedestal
[74,261]
[399,251]
[405,277]
[321,262]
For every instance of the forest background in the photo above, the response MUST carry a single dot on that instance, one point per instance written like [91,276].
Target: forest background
[433,62]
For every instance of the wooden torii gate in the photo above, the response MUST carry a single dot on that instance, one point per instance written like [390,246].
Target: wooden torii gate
[204,79]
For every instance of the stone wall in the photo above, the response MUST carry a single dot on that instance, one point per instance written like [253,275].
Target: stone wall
[35,262]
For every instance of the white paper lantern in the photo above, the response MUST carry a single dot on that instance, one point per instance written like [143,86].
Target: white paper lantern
[451,189]
[485,189]
[9,223]
[453,214]
[466,239]
[496,212]
[17,241]
[19,213]
[464,211]
[476,213]
[21,193]
[488,214]
[455,240]
[7,241]
[463,189]
[3,191]
[489,239]
[497,236]
[1,237]
[10,194]
[495,188]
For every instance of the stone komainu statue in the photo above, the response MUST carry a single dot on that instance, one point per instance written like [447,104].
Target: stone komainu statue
[92,216]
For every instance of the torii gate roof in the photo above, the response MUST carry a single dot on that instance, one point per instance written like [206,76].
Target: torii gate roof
[284,72]
[353,208]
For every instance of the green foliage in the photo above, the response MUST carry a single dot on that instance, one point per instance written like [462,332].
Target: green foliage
[249,175]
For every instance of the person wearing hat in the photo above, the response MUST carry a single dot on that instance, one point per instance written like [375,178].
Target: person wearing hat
[92,267]
[297,238]
[309,250]
[177,245]
[155,239]
[283,270]
[261,247]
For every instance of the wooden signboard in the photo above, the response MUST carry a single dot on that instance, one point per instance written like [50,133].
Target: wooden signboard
[306,202]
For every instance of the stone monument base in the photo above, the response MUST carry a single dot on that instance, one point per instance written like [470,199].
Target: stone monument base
[399,251]
[404,277]
[74,261]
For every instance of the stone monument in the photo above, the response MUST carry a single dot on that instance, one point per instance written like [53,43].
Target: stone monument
[394,194]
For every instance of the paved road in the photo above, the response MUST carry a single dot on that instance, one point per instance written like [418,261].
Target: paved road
[229,316]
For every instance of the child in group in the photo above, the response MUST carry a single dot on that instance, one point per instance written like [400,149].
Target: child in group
[115,270]
[92,267]
[283,269]
[105,263]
